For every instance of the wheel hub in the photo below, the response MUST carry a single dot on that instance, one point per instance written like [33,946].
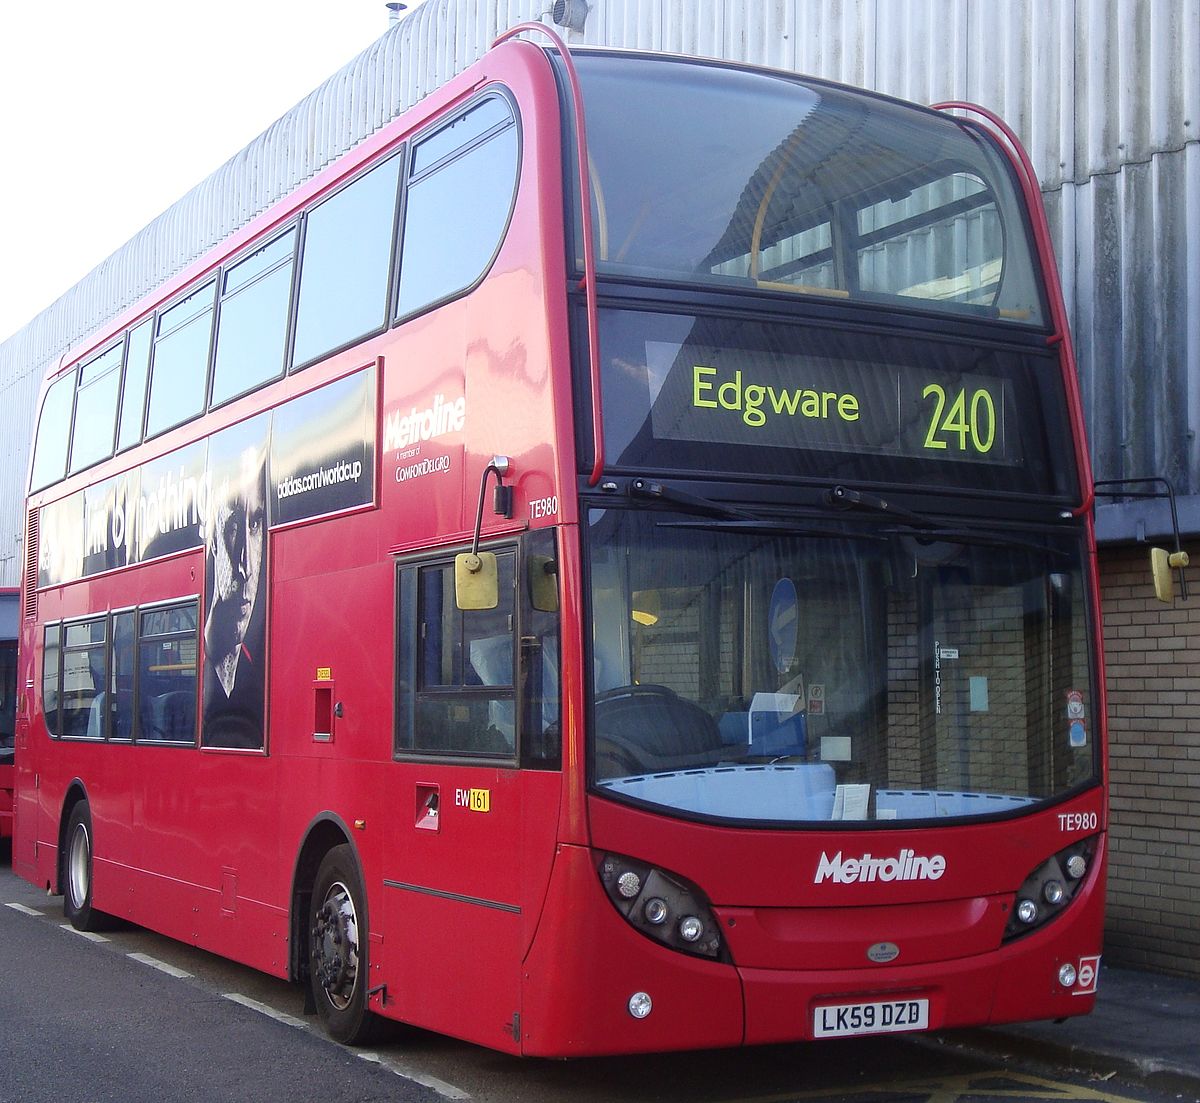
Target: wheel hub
[78,858]
[335,946]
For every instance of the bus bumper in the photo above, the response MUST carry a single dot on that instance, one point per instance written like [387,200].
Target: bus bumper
[783,1006]
[586,964]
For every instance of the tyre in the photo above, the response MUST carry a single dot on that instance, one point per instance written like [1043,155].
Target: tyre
[337,961]
[77,872]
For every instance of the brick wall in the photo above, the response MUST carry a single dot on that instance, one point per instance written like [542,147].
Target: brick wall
[1152,653]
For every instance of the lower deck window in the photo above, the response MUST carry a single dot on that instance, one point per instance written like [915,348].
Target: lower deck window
[167,674]
[122,676]
[465,699]
[481,683]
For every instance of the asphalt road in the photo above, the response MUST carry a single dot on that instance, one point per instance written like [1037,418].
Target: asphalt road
[138,1017]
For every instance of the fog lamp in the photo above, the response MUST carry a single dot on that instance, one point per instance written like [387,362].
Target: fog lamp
[1027,911]
[1053,892]
[640,1005]
[1066,975]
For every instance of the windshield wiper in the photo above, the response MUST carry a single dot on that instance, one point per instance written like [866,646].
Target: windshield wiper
[982,539]
[728,518]
[926,528]
[844,497]
[693,503]
[752,525]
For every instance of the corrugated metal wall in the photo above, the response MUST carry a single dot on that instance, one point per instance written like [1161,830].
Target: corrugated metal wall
[1105,94]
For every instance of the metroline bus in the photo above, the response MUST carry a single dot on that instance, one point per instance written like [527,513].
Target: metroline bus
[662,621]
[9,597]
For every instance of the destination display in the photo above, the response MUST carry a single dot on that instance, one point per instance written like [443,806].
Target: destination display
[790,399]
[316,454]
[817,402]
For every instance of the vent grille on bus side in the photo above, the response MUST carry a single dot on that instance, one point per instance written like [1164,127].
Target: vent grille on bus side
[32,531]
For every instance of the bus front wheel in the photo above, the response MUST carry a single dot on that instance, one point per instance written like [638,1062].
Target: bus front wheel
[77,872]
[337,963]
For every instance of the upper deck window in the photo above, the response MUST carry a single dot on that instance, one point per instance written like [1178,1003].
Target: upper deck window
[760,181]
[347,256]
[96,409]
[252,326]
[133,393]
[459,198]
[53,433]
[179,376]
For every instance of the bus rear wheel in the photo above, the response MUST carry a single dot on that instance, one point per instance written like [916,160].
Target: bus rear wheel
[337,962]
[77,872]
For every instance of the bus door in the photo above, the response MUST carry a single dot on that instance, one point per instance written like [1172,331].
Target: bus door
[474,795]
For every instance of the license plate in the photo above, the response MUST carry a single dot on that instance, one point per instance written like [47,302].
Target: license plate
[842,1020]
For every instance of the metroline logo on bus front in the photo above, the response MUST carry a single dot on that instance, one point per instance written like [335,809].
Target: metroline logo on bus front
[906,866]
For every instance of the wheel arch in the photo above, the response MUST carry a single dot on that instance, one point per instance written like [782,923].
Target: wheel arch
[75,793]
[324,833]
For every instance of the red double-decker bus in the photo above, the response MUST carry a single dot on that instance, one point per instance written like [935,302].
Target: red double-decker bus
[9,598]
[660,621]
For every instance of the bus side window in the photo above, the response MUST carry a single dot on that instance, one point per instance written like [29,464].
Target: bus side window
[459,696]
[96,409]
[168,643]
[179,375]
[541,739]
[459,199]
[53,433]
[120,685]
[84,658]
[51,673]
[133,389]
[252,319]
[345,262]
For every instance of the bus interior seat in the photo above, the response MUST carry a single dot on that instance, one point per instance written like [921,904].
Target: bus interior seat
[95,720]
[648,728]
[170,716]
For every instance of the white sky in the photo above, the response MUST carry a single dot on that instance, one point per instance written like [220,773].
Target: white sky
[110,110]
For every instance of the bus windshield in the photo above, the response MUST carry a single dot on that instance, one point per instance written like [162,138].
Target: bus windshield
[802,675]
[784,184]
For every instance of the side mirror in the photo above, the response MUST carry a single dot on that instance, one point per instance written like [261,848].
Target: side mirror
[1161,564]
[476,581]
[543,584]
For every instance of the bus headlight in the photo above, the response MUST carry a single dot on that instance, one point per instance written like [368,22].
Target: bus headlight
[1050,888]
[656,910]
[690,929]
[663,907]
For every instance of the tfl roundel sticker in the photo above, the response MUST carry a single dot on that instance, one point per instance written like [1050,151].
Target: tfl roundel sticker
[1088,976]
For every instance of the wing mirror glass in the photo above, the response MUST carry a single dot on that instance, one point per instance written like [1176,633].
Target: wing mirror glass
[476,580]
